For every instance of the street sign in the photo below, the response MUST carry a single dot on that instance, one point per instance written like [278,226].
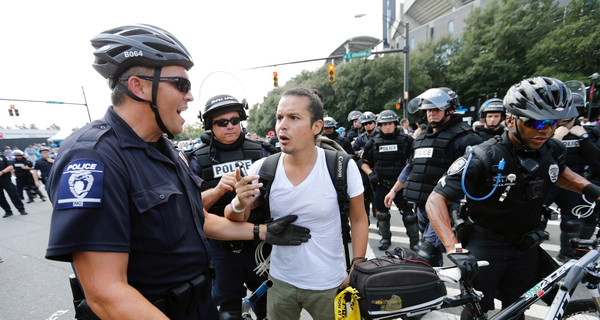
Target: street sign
[359,54]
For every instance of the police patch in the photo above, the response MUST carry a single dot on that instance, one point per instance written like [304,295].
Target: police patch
[81,185]
[457,166]
[553,172]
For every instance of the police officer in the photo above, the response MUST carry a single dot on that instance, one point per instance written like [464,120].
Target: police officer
[224,144]
[355,125]
[128,211]
[368,122]
[329,125]
[523,163]
[26,179]
[384,158]
[492,114]
[6,167]
[581,152]
[44,164]
[445,139]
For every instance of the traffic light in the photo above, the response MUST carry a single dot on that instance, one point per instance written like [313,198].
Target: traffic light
[275,80]
[17,112]
[399,104]
[11,110]
[331,73]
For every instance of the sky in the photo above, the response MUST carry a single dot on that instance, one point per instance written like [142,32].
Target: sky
[46,53]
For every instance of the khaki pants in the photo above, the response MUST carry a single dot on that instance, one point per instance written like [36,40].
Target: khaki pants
[285,302]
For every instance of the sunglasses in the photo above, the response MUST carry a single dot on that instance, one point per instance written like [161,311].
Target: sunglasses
[224,122]
[368,123]
[182,84]
[539,124]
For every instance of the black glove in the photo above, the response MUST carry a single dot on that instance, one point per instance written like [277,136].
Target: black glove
[281,232]
[373,178]
[467,264]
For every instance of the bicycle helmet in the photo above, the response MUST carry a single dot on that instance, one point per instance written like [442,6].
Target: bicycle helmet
[329,122]
[387,116]
[44,149]
[121,48]
[354,115]
[491,105]
[435,98]
[17,153]
[222,104]
[368,116]
[540,98]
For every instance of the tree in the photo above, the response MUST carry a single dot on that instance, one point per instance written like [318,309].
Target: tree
[32,126]
[53,126]
[190,132]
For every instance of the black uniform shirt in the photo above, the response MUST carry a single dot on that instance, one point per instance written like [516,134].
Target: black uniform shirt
[113,192]
[518,213]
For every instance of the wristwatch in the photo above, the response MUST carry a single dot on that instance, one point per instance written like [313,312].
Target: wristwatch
[256,231]
[584,136]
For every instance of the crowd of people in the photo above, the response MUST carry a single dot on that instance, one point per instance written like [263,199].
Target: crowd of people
[177,234]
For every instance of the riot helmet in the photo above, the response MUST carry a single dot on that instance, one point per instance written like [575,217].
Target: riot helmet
[368,116]
[354,115]
[387,116]
[329,122]
[435,98]
[143,45]
[540,98]
[492,105]
[222,104]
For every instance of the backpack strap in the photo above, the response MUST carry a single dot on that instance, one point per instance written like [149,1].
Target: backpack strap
[337,165]
[267,175]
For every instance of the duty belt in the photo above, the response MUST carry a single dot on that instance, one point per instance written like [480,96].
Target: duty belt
[183,299]
[500,237]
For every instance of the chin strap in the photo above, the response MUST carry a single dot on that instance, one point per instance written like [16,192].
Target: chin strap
[155,82]
[526,148]
[435,124]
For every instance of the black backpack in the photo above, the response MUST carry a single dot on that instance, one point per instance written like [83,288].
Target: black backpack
[337,165]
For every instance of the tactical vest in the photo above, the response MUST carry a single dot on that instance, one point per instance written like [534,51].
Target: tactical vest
[520,210]
[390,154]
[575,159]
[487,134]
[18,165]
[432,156]
[211,171]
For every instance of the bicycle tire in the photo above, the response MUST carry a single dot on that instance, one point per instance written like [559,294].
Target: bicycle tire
[581,307]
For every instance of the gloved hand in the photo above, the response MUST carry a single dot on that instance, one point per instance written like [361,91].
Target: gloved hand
[373,178]
[467,264]
[281,232]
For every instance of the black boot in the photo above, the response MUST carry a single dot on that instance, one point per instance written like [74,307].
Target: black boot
[7,214]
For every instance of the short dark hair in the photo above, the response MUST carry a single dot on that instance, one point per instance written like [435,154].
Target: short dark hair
[117,96]
[315,108]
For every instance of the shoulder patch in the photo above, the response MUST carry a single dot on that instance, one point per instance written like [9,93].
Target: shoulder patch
[80,185]
[457,166]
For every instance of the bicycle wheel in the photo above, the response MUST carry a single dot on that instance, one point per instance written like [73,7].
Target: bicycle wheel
[581,309]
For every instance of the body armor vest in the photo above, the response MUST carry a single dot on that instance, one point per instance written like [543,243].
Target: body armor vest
[216,159]
[514,214]
[390,152]
[432,156]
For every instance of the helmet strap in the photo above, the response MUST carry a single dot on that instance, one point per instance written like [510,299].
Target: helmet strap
[517,135]
[155,82]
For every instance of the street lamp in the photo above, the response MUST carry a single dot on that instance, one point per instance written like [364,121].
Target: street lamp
[405,50]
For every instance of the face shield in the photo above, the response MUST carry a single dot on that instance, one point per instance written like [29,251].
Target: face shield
[431,99]
[220,83]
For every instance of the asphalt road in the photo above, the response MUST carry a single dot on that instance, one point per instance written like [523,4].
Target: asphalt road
[34,288]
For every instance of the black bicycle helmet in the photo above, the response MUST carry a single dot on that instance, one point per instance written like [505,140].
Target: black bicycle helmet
[387,116]
[353,115]
[145,45]
[368,116]
[222,104]
[329,122]
[435,98]
[491,105]
[540,98]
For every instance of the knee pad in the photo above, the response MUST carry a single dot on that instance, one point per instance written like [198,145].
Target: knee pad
[409,216]
[383,215]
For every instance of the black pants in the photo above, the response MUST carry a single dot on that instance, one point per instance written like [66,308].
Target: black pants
[9,187]
[510,274]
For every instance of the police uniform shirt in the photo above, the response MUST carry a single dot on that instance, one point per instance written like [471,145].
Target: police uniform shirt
[44,166]
[4,163]
[19,164]
[113,192]
[518,213]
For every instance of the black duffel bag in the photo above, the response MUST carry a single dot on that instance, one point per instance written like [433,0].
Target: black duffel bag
[397,283]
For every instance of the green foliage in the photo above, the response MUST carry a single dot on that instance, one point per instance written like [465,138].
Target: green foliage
[507,41]
[53,126]
[190,132]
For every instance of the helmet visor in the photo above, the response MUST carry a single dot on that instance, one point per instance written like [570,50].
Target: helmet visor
[430,99]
